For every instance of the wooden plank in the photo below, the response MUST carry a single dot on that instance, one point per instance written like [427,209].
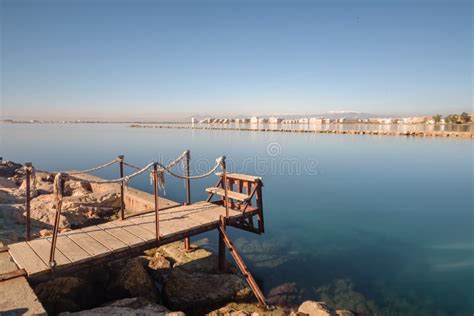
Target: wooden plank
[148,223]
[231,194]
[239,176]
[121,234]
[89,244]
[26,258]
[70,249]
[42,247]
[104,238]
[136,230]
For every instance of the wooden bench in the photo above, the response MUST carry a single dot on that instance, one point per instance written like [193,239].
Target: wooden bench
[244,193]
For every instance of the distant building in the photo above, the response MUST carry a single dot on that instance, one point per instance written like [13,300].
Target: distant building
[254,120]
[193,120]
[303,120]
[274,120]
[262,120]
[315,120]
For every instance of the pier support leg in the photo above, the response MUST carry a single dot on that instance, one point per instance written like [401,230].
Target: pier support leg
[221,246]
[122,199]
[187,240]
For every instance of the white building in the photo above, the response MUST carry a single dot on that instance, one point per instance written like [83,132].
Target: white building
[263,120]
[254,120]
[315,120]
[303,120]
[275,120]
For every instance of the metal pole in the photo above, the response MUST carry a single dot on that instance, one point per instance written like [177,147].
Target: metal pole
[187,240]
[28,166]
[122,200]
[59,202]
[188,181]
[155,187]
[224,183]
[222,267]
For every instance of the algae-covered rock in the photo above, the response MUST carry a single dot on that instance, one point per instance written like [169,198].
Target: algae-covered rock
[188,290]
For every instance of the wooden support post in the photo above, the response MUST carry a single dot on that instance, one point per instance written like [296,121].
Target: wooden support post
[155,187]
[122,198]
[259,199]
[58,191]
[187,240]
[241,264]
[28,166]
[222,267]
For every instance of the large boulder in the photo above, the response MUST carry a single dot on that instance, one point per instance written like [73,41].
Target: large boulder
[66,294]
[132,280]
[7,183]
[198,260]
[129,306]
[194,290]
[313,308]
[8,168]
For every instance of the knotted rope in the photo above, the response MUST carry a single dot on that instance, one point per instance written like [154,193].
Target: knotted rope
[58,190]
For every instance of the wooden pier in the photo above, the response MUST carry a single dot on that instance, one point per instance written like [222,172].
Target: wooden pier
[117,239]
[157,222]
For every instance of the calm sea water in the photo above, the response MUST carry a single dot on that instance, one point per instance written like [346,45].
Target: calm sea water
[376,224]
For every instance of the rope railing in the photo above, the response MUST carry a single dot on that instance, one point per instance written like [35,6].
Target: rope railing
[157,172]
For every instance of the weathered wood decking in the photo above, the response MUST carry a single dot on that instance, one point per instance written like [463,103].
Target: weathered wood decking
[112,240]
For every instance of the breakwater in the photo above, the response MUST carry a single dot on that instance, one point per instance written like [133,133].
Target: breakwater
[450,134]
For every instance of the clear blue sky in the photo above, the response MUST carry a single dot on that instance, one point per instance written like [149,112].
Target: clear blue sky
[166,59]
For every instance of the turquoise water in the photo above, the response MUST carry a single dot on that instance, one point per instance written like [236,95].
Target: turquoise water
[382,225]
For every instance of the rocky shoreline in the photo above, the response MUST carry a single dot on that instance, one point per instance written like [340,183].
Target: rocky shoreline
[162,281]
[464,135]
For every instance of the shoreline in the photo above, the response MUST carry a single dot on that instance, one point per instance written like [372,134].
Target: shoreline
[446,134]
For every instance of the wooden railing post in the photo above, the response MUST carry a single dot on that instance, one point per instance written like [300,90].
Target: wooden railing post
[187,240]
[122,199]
[155,187]
[58,191]
[28,167]
[224,183]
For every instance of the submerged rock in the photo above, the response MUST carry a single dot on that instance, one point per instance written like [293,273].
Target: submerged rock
[286,294]
[129,306]
[190,290]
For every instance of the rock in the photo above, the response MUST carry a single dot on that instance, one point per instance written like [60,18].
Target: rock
[246,309]
[343,312]
[71,186]
[66,294]
[198,260]
[159,263]
[313,308]
[133,281]
[7,183]
[286,294]
[8,168]
[193,290]
[129,306]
